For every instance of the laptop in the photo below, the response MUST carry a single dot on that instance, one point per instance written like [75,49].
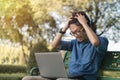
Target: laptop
[51,65]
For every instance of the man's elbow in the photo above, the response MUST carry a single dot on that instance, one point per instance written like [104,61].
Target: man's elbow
[95,43]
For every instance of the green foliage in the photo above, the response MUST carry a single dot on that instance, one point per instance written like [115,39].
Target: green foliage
[12,72]
[30,12]
[35,12]
[13,76]
[103,21]
[41,11]
[14,15]
[39,47]
[12,69]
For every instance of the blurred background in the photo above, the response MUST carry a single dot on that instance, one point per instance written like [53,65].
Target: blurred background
[29,26]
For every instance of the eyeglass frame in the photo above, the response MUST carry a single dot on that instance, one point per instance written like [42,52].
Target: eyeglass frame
[76,32]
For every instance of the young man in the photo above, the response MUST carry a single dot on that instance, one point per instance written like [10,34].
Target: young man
[87,50]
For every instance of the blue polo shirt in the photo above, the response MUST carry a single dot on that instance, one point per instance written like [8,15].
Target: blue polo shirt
[85,58]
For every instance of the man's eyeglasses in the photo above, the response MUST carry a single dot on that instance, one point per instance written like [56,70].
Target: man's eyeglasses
[76,32]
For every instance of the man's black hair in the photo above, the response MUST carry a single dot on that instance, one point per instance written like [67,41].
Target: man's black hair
[83,13]
[75,21]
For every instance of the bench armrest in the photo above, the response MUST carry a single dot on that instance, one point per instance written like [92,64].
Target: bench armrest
[34,71]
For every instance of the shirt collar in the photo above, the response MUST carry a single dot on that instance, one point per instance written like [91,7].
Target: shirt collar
[83,42]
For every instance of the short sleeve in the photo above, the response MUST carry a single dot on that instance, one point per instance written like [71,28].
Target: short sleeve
[65,45]
[102,47]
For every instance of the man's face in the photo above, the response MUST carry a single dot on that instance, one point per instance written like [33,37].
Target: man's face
[77,32]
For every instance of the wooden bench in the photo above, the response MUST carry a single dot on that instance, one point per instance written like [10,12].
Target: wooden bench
[110,68]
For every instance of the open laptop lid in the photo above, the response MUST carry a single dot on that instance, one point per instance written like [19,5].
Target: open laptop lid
[51,65]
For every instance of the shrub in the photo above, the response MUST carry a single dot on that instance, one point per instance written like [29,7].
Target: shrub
[12,69]
[13,76]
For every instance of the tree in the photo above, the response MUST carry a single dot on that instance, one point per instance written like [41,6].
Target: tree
[15,18]
[105,17]
[42,16]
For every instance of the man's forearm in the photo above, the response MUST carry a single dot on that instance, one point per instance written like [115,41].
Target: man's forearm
[56,40]
[91,35]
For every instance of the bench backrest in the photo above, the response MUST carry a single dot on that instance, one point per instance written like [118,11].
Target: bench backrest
[111,61]
[110,66]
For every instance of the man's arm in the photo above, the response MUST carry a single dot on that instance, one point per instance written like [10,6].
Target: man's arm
[90,33]
[58,37]
[56,41]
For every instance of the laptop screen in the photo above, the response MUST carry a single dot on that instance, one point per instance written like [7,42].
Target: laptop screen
[51,65]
